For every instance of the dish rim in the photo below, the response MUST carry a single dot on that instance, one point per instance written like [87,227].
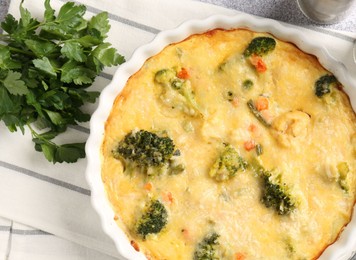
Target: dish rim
[342,248]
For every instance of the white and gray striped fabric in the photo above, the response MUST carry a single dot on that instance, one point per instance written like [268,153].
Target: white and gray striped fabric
[55,199]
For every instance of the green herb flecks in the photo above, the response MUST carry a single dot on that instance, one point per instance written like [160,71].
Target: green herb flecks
[45,69]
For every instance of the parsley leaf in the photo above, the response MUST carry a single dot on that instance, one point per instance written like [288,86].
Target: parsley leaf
[10,24]
[14,84]
[25,16]
[6,62]
[46,67]
[73,72]
[70,14]
[74,50]
[41,47]
[59,153]
[70,152]
[107,56]
[100,22]
[8,105]
[55,117]
[49,12]
[9,109]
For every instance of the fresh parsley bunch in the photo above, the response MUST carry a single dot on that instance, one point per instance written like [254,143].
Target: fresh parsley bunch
[46,67]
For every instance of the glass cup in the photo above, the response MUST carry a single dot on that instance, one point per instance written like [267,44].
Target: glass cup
[325,11]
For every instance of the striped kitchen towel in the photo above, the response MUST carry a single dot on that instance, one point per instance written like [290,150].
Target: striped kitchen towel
[56,198]
[19,242]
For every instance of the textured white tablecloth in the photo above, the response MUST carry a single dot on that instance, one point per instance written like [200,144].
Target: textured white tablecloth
[55,199]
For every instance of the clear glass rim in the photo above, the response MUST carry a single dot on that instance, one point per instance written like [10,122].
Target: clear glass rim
[320,18]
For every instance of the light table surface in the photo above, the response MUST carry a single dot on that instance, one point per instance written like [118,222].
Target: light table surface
[65,230]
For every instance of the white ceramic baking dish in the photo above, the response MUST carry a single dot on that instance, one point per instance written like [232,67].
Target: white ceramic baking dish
[341,249]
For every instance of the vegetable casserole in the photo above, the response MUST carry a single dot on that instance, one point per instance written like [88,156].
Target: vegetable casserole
[231,144]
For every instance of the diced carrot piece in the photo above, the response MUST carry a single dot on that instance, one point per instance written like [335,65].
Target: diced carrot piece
[148,186]
[239,256]
[135,245]
[261,66]
[258,63]
[185,233]
[252,128]
[167,197]
[267,115]
[235,102]
[262,103]
[183,74]
[249,145]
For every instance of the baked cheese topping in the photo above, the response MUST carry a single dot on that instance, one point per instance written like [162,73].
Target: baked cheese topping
[231,145]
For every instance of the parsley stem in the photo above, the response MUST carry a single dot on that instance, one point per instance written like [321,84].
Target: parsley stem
[36,26]
[18,50]
[33,132]
[21,51]
[38,136]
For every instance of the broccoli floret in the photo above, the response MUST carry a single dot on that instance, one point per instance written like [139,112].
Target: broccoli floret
[274,193]
[147,152]
[177,92]
[343,170]
[323,85]
[153,219]
[207,248]
[227,165]
[257,167]
[260,46]
[165,77]
[146,148]
[276,196]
